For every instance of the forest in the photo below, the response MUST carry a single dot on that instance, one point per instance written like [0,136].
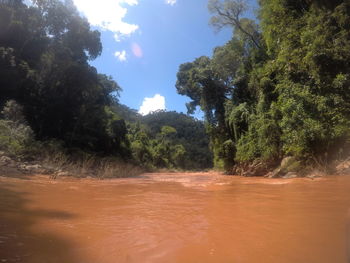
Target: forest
[280,87]
[257,168]
[50,93]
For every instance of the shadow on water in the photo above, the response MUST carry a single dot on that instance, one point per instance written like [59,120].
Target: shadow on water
[19,242]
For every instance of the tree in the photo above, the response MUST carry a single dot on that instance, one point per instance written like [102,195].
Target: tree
[279,91]
[228,13]
[44,53]
[203,85]
[169,140]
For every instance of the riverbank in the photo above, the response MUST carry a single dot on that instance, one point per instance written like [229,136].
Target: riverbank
[291,167]
[60,166]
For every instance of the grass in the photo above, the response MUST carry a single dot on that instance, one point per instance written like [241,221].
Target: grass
[90,166]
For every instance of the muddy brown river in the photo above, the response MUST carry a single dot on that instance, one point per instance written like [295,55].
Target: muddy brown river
[175,218]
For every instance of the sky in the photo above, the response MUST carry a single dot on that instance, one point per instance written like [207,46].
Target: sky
[144,43]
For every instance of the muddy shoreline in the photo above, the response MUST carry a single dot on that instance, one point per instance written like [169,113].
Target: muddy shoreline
[289,168]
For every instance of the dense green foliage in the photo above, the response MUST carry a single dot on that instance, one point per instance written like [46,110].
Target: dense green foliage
[16,137]
[278,88]
[166,139]
[173,140]
[44,54]
[45,49]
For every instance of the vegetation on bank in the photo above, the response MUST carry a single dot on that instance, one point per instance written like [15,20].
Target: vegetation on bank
[280,87]
[68,109]
[22,153]
[171,140]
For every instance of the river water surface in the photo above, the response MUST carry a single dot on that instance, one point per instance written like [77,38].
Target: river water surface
[174,218]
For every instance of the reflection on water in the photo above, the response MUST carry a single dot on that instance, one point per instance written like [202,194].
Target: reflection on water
[174,218]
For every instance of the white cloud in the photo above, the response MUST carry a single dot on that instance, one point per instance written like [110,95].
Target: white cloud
[152,104]
[108,15]
[120,55]
[170,2]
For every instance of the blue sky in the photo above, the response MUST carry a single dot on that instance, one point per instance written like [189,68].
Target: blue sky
[145,41]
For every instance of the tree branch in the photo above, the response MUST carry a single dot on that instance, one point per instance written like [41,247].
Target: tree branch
[234,20]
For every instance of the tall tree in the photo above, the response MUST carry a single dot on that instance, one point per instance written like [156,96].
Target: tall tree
[44,53]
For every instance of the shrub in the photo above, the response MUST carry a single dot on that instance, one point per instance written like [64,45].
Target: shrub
[16,137]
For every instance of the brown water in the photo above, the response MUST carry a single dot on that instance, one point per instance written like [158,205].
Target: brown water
[174,218]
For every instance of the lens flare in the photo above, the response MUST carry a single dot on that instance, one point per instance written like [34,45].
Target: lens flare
[136,50]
